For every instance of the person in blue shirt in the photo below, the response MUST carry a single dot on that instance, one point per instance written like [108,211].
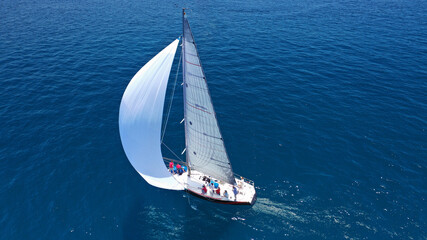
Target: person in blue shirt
[235,191]
[226,194]
[179,169]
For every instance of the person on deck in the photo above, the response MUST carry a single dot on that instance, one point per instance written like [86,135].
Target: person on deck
[179,169]
[240,183]
[226,194]
[235,191]
[171,166]
[211,186]
[218,191]
[204,189]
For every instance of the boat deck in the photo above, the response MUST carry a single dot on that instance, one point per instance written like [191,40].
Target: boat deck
[246,191]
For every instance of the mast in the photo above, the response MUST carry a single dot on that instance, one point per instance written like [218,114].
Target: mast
[184,96]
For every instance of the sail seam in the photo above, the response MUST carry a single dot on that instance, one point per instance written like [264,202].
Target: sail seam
[209,147]
[196,86]
[198,108]
[194,75]
[192,63]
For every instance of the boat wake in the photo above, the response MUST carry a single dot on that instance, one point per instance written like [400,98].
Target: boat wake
[279,210]
[193,206]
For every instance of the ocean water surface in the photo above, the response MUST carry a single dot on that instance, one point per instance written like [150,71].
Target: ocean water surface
[322,103]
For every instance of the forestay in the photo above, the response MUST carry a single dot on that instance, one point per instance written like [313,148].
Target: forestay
[204,143]
[140,119]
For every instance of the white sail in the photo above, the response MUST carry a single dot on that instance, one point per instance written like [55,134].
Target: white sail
[140,119]
[204,143]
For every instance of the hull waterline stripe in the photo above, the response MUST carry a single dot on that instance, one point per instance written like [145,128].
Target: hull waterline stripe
[216,200]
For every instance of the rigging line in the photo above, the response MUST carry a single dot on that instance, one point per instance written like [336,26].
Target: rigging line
[170,104]
[172,152]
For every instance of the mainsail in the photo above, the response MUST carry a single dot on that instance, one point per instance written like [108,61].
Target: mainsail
[140,119]
[204,143]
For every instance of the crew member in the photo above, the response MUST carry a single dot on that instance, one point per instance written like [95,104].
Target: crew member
[179,169]
[171,166]
[226,194]
[235,191]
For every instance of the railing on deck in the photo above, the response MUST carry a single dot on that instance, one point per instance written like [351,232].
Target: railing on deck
[168,160]
[244,179]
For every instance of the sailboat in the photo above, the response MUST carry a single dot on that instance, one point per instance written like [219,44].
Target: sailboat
[207,172]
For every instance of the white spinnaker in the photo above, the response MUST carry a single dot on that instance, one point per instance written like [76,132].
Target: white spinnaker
[140,119]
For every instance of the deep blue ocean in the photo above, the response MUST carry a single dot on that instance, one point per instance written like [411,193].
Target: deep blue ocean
[322,103]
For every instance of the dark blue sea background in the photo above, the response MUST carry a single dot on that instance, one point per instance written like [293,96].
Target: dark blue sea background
[322,103]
